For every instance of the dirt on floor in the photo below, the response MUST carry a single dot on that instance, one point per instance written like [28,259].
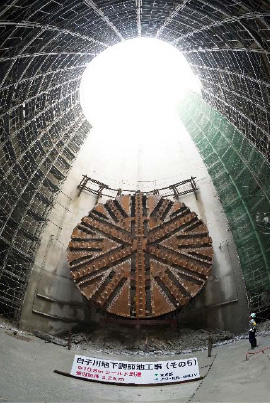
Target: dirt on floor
[150,340]
[161,340]
[126,340]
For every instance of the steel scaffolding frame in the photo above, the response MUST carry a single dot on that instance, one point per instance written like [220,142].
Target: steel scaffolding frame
[45,46]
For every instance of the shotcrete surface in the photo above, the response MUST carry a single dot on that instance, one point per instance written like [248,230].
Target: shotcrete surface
[27,365]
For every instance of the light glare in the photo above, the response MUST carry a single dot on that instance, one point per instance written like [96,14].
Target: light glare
[130,94]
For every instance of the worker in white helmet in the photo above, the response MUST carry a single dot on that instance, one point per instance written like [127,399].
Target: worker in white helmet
[252,331]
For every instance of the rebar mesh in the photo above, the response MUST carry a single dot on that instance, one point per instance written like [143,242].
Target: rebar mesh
[44,48]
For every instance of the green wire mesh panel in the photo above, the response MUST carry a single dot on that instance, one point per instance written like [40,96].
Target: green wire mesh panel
[241,176]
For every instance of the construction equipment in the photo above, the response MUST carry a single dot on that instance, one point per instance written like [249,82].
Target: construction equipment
[140,256]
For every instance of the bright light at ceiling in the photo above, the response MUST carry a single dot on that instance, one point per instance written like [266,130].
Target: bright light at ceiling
[130,94]
[130,91]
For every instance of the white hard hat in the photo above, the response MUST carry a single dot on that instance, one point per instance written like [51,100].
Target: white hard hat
[253,315]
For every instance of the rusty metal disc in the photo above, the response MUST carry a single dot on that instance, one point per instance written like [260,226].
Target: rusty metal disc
[140,256]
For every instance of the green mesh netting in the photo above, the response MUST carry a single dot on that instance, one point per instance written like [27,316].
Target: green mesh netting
[241,176]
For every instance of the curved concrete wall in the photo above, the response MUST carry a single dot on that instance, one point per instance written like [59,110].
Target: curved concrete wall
[53,303]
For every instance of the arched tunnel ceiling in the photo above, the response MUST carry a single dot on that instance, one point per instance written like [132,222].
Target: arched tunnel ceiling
[45,46]
[44,49]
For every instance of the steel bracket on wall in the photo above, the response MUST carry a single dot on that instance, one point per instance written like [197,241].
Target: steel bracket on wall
[101,189]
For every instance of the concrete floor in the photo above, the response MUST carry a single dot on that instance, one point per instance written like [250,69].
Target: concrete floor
[27,375]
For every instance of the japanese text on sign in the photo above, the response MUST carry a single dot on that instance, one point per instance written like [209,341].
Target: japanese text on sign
[135,372]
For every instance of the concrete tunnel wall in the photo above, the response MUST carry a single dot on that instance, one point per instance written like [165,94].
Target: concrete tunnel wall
[53,303]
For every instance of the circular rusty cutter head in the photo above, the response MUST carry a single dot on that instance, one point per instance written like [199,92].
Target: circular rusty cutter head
[140,256]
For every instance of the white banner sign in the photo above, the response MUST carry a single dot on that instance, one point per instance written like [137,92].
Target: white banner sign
[127,372]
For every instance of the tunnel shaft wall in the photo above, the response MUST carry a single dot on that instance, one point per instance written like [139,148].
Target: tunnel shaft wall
[241,177]
[53,302]
[45,47]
